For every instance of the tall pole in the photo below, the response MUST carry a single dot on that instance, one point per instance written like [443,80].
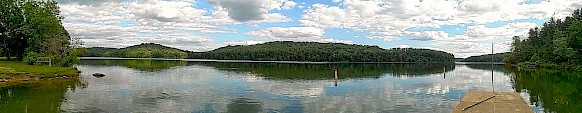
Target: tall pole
[492,84]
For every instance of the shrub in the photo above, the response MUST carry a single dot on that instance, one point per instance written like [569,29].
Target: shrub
[69,61]
[30,58]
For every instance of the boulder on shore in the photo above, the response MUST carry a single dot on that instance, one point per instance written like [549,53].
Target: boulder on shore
[98,75]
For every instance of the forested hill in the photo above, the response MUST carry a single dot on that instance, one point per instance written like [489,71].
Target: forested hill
[144,50]
[557,44]
[497,57]
[323,52]
[282,51]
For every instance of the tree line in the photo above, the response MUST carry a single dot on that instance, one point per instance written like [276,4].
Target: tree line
[144,50]
[497,57]
[282,51]
[558,43]
[323,52]
[32,29]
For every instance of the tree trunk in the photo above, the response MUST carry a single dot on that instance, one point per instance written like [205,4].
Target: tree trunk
[7,55]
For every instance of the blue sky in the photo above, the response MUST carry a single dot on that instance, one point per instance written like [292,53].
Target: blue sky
[460,27]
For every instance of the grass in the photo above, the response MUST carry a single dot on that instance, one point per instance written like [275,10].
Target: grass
[21,69]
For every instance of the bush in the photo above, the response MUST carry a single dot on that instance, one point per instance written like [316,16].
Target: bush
[30,58]
[69,61]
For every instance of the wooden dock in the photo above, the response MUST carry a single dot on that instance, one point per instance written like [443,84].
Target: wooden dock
[503,102]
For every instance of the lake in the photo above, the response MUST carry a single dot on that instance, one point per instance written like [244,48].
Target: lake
[207,87]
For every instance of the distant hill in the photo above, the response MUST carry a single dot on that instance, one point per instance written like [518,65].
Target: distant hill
[144,50]
[282,51]
[323,52]
[498,57]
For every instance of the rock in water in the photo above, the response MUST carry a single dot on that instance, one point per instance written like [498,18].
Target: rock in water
[98,75]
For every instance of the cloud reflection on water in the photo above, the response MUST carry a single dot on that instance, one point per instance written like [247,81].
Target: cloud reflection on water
[203,88]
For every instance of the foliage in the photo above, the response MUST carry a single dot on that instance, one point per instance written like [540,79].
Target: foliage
[282,51]
[555,45]
[323,52]
[30,58]
[557,91]
[144,50]
[34,26]
[97,51]
[68,61]
[498,57]
[21,68]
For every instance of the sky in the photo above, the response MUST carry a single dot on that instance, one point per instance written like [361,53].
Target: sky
[460,27]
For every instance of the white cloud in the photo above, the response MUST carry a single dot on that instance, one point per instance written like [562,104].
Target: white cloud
[250,42]
[389,20]
[252,10]
[278,33]
[427,35]
[175,23]
[294,34]
[288,5]
[386,19]
[121,24]
[475,41]
[402,46]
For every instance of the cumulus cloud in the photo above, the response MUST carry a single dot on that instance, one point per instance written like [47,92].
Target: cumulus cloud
[124,23]
[241,10]
[288,5]
[119,23]
[248,10]
[427,35]
[250,42]
[387,19]
[294,34]
[402,46]
[289,33]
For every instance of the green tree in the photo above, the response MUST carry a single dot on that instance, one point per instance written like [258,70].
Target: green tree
[557,42]
[33,26]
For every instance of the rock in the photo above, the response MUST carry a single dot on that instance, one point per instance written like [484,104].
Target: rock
[3,80]
[98,75]
[65,76]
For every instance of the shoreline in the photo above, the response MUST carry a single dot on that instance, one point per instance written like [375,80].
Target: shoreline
[247,61]
[18,72]
[11,80]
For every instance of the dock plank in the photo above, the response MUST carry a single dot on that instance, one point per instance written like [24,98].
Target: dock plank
[503,102]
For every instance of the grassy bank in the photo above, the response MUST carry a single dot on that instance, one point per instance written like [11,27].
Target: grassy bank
[15,72]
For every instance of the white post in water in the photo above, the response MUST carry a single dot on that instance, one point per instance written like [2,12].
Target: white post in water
[444,72]
[335,73]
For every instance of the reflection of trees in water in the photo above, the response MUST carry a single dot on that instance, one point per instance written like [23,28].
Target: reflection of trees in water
[325,71]
[498,68]
[244,105]
[144,65]
[555,91]
[292,71]
[38,97]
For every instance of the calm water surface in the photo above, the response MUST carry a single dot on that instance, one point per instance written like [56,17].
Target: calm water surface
[207,87]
